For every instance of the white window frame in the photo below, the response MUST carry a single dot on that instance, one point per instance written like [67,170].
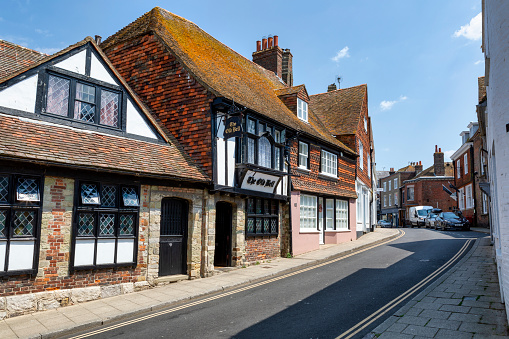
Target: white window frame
[385,201]
[390,200]
[361,155]
[329,214]
[303,155]
[461,199]
[329,163]
[390,188]
[308,213]
[385,186]
[484,203]
[465,162]
[302,110]
[469,201]
[395,198]
[342,215]
[458,168]
[410,189]
[395,183]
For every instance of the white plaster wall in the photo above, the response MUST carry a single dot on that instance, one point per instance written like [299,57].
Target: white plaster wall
[97,71]
[75,63]
[21,95]
[220,150]
[496,40]
[135,123]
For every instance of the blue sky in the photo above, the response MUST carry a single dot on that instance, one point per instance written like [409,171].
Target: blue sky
[420,59]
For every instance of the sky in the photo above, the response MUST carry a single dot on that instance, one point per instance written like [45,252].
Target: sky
[420,59]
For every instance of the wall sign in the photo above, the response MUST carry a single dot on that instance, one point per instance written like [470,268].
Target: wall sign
[233,127]
[261,182]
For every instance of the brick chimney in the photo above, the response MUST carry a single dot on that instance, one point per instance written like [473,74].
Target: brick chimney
[439,164]
[270,56]
[332,87]
[418,168]
[391,171]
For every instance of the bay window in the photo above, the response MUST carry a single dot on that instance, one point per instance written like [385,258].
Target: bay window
[105,225]
[20,207]
[263,145]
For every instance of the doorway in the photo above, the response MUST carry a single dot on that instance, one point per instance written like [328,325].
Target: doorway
[173,238]
[223,248]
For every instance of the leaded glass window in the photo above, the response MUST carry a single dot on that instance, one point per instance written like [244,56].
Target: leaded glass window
[28,189]
[109,195]
[130,196]
[251,150]
[107,224]
[3,221]
[58,96]
[24,223]
[4,189]
[84,105]
[277,158]
[264,152]
[90,194]
[86,222]
[109,108]
[251,126]
[262,217]
[127,224]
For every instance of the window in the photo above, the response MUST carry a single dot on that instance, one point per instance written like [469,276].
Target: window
[262,217]
[465,162]
[251,150]
[402,196]
[396,199]
[461,199]
[365,124]
[390,182]
[277,158]
[329,214]
[483,164]
[395,183]
[385,186]
[303,155]
[469,202]
[264,152]
[20,204]
[390,200]
[302,110]
[484,203]
[410,194]
[105,225]
[308,212]
[369,167]
[458,168]
[342,214]
[361,155]
[329,163]
[385,201]
[87,102]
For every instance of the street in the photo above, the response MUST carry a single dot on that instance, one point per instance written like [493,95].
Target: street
[323,302]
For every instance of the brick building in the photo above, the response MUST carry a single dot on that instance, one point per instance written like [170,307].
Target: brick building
[345,113]
[194,84]
[481,194]
[425,189]
[87,177]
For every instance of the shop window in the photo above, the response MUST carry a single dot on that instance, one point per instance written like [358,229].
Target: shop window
[341,214]
[262,217]
[105,225]
[20,207]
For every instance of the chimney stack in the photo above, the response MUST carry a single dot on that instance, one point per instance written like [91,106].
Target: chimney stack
[332,87]
[418,167]
[98,39]
[391,171]
[439,164]
[271,57]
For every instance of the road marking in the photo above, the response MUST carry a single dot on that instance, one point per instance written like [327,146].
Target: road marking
[238,290]
[390,305]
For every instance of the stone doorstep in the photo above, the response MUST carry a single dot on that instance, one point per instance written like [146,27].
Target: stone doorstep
[170,279]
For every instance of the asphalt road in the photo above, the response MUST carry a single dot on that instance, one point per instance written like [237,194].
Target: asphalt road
[320,303]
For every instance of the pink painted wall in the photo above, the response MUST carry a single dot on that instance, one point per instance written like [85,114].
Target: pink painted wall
[344,236]
[301,242]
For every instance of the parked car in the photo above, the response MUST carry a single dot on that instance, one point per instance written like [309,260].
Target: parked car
[431,218]
[384,223]
[416,215]
[450,220]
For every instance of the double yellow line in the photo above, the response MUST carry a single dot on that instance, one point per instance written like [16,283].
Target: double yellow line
[383,310]
[225,294]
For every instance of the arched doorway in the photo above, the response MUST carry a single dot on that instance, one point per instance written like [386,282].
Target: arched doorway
[173,237]
[223,248]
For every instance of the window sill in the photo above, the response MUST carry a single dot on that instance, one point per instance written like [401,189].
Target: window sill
[253,235]
[303,169]
[309,232]
[100,267]
[338,231]
[327,177]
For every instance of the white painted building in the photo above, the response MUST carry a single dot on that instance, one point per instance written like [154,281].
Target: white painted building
[496,50]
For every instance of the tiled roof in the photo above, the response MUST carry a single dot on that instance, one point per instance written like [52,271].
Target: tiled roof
[482,88]
[340,110]
[430,171]
[409,168]
[221,70]
[289,90]
[44,143]
[313,187]
[14,58]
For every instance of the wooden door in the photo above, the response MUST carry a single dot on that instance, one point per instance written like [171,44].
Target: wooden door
[173,238]
[223,249]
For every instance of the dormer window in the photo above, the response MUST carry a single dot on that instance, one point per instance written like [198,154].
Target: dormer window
[302,110]
[87,102]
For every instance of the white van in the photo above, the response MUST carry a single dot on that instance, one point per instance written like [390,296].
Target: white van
[417,215]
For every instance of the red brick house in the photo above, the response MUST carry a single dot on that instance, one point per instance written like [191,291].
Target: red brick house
[345,113]
[425,189]
[193,84]
[481,184]
[87,177]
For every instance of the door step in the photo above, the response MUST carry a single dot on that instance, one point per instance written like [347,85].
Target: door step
[170,279]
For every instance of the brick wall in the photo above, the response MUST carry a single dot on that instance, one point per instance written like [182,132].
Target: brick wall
[271,59]
[180,102]
[429,192]
[482,218]
[363,135]
[464,179]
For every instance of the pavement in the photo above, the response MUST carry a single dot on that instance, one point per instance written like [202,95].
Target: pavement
[462,303]
[474,276]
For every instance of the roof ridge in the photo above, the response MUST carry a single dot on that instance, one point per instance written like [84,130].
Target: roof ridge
[340,89]
[17,45]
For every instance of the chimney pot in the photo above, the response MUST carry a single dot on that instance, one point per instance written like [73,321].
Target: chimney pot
[98,39]
[264,43]
[258,45]
[276,40]
[440,150]
[332,87]
[436,148]
[271,41]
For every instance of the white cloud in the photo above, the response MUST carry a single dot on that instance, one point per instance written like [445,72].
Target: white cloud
[386,105]
[47,50]
[447,155]
[478,62]
[472,30]
[341,54]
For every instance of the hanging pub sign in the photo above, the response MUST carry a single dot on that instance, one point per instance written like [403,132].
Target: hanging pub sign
[233,127]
